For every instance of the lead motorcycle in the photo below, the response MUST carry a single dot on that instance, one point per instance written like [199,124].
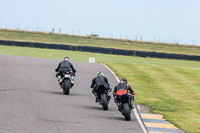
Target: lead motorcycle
[104,97]
[125,106]
[66,82]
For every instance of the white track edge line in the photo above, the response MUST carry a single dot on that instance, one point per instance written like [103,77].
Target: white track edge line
[135,112]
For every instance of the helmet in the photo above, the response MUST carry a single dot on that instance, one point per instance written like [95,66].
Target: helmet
[66,58]
[99,73]
[124,79]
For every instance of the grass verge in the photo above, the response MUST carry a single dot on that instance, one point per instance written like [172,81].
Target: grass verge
[168,87]
[98,42]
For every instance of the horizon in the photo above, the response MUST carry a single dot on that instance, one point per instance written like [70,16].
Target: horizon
[96,36]
[152,21]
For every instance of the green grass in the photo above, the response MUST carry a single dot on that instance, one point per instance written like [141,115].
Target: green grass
[168,87]
[98,42]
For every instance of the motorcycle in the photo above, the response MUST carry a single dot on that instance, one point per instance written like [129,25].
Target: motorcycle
[125,106]
[66,82]
[104,97]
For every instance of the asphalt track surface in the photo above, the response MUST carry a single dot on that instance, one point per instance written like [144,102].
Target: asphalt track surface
[31,101]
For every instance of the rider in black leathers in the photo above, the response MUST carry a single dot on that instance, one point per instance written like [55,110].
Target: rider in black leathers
[95,85]
[65,66]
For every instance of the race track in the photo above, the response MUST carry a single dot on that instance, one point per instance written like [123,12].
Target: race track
[31,101]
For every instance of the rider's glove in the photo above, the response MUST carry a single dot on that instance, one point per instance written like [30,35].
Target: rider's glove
[114,94]
[133,94]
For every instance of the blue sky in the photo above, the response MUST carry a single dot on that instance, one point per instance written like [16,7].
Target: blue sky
[153,20]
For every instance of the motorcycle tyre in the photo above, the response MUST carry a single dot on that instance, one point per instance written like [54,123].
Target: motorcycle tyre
[104,101]
[66,86]
[126,112]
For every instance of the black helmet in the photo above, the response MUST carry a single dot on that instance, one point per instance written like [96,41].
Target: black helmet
[66,58]
[124,79]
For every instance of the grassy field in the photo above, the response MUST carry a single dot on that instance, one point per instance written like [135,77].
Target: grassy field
[98,42]
[168,87]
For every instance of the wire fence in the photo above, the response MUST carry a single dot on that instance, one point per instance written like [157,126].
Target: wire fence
[57,30]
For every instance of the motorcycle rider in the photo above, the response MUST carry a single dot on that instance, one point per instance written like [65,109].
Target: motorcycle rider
[100,81]
[63,67]
[122,88]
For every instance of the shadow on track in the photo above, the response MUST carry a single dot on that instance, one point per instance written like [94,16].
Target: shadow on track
[26,89]
[50,92]
[119,117]
[91,107]
[58,92]
[98,107]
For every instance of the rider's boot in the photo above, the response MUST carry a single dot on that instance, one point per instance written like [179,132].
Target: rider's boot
[72,79]
[131,104]
[108,96]
[97,98]
[59,79]
[119,106]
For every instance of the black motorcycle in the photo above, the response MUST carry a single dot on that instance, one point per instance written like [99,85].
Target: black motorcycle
[104,97]
[66,82]
[125,106]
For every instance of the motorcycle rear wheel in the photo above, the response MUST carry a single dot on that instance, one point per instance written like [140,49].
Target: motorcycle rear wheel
[126,112]
[66,87]
[104,101]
